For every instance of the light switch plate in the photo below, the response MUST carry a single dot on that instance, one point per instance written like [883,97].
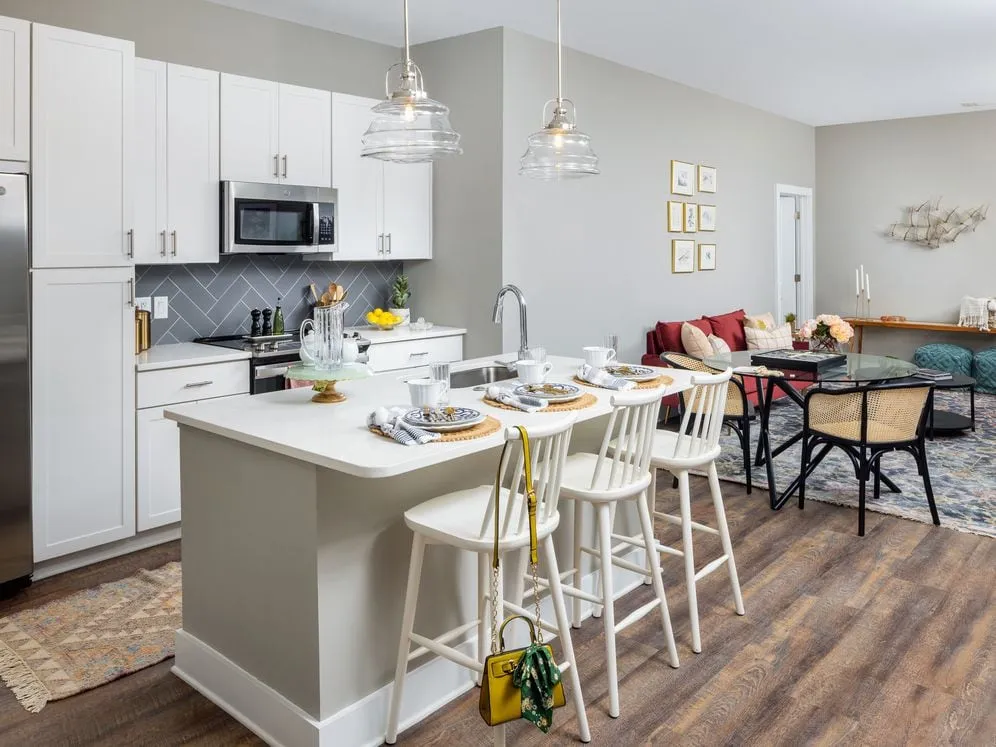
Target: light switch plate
[144,303]
[161,307]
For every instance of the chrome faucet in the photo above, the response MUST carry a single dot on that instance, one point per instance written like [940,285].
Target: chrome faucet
[523,332]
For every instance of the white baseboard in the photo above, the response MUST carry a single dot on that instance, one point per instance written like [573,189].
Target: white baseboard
[143,541]
[280,723]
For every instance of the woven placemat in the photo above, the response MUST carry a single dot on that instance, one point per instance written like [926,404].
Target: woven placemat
[585,400]
[486,427]
[657,383]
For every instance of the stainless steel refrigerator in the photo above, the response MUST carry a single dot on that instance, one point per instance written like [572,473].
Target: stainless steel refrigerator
[16,553]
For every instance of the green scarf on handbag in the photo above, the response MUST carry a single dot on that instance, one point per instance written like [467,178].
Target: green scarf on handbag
[536,676]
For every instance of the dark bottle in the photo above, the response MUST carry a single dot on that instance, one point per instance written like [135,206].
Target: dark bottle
[267,327]
[278,319]
[255,330]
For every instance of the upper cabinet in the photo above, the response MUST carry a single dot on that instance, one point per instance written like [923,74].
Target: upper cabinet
[275,133]
[176,164]
[385,209]
[82,124]
[15,89]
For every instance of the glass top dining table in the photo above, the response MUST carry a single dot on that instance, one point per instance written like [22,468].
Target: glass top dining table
[856,369]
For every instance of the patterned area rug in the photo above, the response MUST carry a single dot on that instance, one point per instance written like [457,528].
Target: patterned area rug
[91,637]
[962,469]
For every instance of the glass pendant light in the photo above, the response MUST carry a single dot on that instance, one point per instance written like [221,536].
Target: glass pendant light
[409,127]
[559,150]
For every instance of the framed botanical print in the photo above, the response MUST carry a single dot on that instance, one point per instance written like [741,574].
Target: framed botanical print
[691,218]
[707,256]
[682,178]
[707,217]
[707,179]
[675,216]
[682,255]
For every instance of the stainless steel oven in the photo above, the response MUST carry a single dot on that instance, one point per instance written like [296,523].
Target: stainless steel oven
[278,219]
[268,377]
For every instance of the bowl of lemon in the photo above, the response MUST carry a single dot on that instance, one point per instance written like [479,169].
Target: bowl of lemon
[383,319]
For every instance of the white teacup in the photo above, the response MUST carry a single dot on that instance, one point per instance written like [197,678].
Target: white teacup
[532,372]
[426,392]
[599,357]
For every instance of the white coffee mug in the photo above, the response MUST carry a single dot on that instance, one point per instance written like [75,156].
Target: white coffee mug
[599,357]
[426,392]
[532,372]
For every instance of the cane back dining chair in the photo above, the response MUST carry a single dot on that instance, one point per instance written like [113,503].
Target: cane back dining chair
[867,424]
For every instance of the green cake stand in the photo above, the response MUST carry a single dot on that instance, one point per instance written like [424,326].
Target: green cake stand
[325,379]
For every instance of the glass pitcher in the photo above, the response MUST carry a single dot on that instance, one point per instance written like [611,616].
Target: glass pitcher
[325,347]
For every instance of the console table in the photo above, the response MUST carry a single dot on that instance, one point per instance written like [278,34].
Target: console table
[860,324]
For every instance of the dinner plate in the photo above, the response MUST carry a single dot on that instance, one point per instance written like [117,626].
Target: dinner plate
[444,419]
[631,372]
[550,392]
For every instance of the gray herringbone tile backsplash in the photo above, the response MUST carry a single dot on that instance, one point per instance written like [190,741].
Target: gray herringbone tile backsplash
[207,300]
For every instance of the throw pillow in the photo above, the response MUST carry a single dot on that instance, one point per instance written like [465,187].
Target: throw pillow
[730,327]
[719,346]
[769,339]
[760,321]
[695,341]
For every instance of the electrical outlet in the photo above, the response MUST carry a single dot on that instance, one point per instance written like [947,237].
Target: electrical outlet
[161,307]
[144,303]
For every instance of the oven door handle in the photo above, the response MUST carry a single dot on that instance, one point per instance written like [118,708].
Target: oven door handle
[270,372]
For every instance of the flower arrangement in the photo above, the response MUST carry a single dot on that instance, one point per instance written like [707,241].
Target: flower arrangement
[827,331]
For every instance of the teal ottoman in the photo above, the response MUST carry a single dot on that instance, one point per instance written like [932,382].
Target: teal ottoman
[944,357]
[984,370]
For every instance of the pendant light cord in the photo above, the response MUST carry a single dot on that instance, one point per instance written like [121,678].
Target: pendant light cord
[560,60]
[408,56]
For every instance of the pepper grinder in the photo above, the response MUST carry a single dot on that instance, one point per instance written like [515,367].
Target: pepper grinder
[267,327]
[255,330]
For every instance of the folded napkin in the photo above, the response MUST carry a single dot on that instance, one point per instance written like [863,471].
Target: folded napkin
[602,378]
[756,371]
[523,402]
[391,422]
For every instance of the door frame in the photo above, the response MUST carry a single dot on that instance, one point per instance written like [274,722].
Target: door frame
[807,256]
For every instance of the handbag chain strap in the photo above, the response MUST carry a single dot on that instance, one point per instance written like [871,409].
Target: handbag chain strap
[530,491]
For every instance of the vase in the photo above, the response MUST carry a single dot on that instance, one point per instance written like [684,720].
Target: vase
[324,346]
[824,344]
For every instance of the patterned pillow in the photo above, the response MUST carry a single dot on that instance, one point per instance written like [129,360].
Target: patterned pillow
[769,339]
[760,321]
[719,346]
[695,342]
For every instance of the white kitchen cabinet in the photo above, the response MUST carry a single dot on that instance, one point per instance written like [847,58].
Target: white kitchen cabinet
[414,353]
[176,163]
[385,209]
[83,409]
[81,133]
[275,133]
[15,89]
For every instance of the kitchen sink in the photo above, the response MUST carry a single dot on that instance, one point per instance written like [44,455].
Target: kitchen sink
[480,376]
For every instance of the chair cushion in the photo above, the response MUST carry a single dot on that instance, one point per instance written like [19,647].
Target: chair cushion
[695,342]
[669,334]
[730,327]
[769,339]
[944,357]
[984,370]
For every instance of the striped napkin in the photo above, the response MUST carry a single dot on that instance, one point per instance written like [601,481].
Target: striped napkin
[507,397]
[602,378]
[391,422]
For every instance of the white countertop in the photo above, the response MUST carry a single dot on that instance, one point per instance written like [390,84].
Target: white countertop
[185,354]
[336,436]
[401,334]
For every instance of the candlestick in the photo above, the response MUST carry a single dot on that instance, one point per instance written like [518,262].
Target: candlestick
[857,282]
[868,293]
[862,275]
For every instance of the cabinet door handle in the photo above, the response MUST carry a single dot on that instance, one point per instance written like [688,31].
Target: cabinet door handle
[285,166]
[390,243]
[197,384]
[162,235]
[173,234]
[131,292]
[380,243]
[131,243]
[419,355]
[276,165]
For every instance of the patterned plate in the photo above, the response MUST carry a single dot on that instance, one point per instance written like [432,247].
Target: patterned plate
[631,372]
[550,392]
[444,419]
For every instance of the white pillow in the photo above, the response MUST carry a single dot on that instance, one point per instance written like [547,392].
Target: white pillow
[779,338]
[695,341]
[719,346]
[760,321]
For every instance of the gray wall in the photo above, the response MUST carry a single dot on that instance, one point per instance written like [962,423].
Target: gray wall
[594,256]
[458,286]
[867,173]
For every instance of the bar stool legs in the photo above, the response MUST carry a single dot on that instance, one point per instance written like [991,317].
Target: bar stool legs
[608,613]
[407,625]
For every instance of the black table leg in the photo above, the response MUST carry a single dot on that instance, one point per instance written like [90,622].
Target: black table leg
[759,388]
[971,396]
[764,446]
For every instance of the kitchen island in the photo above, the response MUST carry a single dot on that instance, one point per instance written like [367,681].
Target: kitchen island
[295,555]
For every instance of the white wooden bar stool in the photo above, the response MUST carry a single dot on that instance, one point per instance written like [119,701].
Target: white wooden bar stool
[465,520]
[694,446]
[617,473]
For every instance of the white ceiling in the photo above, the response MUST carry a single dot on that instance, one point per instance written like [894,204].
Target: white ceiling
[816,61]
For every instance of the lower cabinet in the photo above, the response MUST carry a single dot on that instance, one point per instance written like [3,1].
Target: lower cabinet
[414,353]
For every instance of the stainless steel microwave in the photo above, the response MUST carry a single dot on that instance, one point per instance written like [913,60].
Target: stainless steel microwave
[278,219]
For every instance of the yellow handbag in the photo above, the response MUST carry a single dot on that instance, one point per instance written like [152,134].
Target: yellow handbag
[531,670]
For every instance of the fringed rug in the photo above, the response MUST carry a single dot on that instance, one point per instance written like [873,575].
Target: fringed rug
[91,637]
[962,469]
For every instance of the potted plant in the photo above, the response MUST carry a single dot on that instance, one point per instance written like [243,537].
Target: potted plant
[790,320]
[398,300]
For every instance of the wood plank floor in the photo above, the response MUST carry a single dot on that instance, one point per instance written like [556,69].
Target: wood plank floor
[886,640]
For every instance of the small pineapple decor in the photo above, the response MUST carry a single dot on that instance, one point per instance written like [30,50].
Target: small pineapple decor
[398,301]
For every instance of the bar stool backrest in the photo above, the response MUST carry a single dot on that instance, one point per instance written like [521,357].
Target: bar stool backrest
[624,457]
[702,423]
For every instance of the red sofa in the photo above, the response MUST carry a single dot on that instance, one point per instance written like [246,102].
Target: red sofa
[665,337]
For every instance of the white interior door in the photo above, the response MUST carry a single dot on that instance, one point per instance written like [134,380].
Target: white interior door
[358,181]
[250,143]
[15,89]
[305,136]
[789,271]
[149,162]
